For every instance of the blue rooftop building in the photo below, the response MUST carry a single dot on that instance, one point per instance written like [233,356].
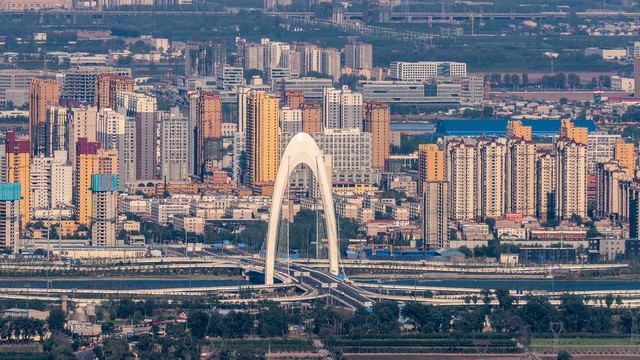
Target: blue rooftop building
[498,127]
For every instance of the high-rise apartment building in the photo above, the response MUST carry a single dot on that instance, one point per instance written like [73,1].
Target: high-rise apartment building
[290,121]
[86,163]
[254,57]
[10,201]
[174,137]
[608,177]
[571,170]
[545,185]
[208,129]
[82,124]
[424,70]
[435,214]
[350,153]
[358,55]
[104,202]
[377,121]
[331,65]
[43,93]
[625,155]
[243,95]
[342,109]
[56,130]
[205,59]
[521,172]
[491,178]
[80,83]
[461,169]
[107,162]
[262,145]
[118,132]
[143,109]
[239,158]
[17,162]
[430,165]
[601,147]
[39,174]
[293,99]
[572,132]
[51,182]
[107,86]
[311,117]
[110,128]
[515,129]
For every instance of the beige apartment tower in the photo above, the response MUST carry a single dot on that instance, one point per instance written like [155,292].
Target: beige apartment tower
[82,124]
[461,168]
[521,171]
[377,120]
[435,214]
[545,185]
[608,177]
[571,170]
[491,178]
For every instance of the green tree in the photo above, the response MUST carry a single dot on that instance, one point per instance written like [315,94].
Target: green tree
[466,251]
[108,327]
[272,321]
[197,322]
[609,300]
[537,313]
[564,355]
[56,319]
[58,347]
[426,318]
[115,348]
[504,298]
[572,313]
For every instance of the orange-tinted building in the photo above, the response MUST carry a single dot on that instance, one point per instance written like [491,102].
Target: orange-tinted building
[570,131]
[624,154]
[516,129]
[311,117]
[86,164]
[293,99]
[43,93]
[430,165]
[377,120]
[107,86]
[17,159]
[208,123]
[263,144]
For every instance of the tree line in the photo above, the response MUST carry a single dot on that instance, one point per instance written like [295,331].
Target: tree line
[536,316]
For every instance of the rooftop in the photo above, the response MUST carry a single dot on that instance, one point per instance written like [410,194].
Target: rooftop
[498,127]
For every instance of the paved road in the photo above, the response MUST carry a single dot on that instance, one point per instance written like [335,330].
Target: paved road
[345,292]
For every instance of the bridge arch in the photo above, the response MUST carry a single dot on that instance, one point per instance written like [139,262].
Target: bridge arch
[302,149]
